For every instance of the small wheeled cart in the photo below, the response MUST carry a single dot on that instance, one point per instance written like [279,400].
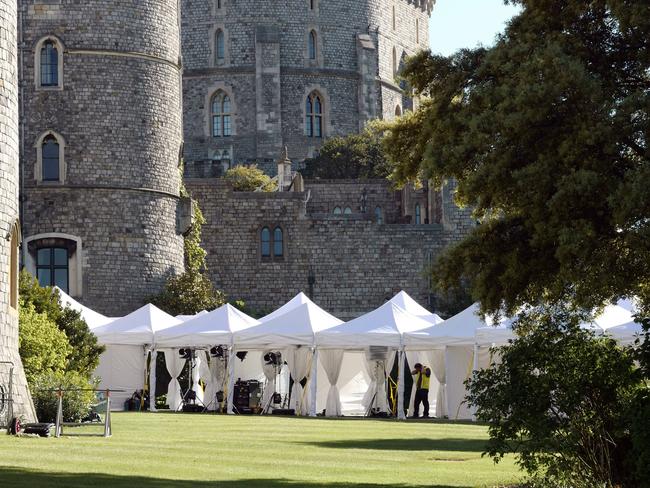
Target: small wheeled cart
[7,419]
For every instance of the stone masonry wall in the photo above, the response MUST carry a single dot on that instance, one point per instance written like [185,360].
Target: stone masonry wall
[335,73]
[9,215]
[120,114]
[355,263]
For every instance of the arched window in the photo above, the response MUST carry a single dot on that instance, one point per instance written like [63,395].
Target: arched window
[221,115]
[50,151]
[52,268]
[347,211]
[379,215]
[278,244]
[314,116]
[13,267]
[266,242]
[337,211]
[418,214]
[398,111]
[312,45]
[49,64]
[220,46]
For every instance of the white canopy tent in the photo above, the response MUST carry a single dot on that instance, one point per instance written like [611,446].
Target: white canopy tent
[405,301]
[381,328]
[294,333]
[185,318]
[128,339]
[204,330]
[92,318]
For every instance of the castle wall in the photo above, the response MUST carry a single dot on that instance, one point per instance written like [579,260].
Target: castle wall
[267,72]
[119,113]
[9,216]
[355,262]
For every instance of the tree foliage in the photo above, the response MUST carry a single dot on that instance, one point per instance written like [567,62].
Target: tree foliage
[566,402]
[77,401]
[350,157]
[547,135]
[84,351]
[249,178]
[43,347]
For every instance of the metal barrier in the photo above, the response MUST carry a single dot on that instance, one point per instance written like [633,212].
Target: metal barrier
[59,424]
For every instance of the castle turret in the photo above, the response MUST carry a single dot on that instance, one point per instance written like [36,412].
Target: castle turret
[12,375]
[102,138]
[262,75]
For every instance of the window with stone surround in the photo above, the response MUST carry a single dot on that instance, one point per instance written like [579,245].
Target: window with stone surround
[48,64]
[13,266]
[347,211]
[50,158]
[418,214]
[55,259]
[398,111]
[314,115]
[221,114]
[220,47]
[337,211]
[312,45]
[272,243]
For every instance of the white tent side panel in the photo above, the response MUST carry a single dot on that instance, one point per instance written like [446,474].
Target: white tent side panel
[353,383]
[121,368]
[459,363]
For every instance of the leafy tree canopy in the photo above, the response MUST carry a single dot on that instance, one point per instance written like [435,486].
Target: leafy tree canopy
[350,157]
[547,135]
[249,178]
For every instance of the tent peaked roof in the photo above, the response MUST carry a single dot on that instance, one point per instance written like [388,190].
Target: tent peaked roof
[297,326]
[299,299]
[206,329]
[617,314]
[383,326]
[405,301]
[185,318]
[92,318]
[457,330]
[137,328]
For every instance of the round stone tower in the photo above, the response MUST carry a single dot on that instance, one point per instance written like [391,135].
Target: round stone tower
[259,75]
[101,144]
[9,223]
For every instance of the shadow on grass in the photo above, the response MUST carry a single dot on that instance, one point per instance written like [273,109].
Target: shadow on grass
[20,478]
[450,444]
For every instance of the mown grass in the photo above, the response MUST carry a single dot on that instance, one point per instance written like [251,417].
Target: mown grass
[206,451]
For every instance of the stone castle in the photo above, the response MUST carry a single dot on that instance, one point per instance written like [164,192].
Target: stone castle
[113,98]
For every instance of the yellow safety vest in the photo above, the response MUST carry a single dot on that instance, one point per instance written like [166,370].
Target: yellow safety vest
[423,380]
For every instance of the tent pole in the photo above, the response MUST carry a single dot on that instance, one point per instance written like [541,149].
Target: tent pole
[400,384]
[475,366]
[313,383]
[152,380]
[231,380]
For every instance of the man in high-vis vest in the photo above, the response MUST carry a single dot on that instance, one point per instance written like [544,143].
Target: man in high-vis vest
[422,380]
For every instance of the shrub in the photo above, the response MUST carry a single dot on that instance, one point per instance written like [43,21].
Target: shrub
[560,399]
[249,178]
[43,347]
[76,404]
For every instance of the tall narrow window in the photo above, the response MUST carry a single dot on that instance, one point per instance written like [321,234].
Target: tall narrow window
[337,211]
[417,31]
[311,4]
[220,46]
[266,242]
[51,159]
[278,243]
[379,215]
[49,64]
[398,110]
[52,267]
[394,62]
[312,45]
[418,214]
[221,115]
[394,19]
[347,211]
[314,116]
[218,4]
[13,269]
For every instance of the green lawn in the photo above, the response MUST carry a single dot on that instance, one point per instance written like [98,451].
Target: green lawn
[205,451]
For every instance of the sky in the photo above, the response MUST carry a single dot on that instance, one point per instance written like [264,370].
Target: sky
[465,23]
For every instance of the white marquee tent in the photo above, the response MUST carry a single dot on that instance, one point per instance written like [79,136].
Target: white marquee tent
[405,301]
[128,339]
[92,318]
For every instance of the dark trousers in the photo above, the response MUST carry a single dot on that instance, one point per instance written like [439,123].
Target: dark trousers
[421,396]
